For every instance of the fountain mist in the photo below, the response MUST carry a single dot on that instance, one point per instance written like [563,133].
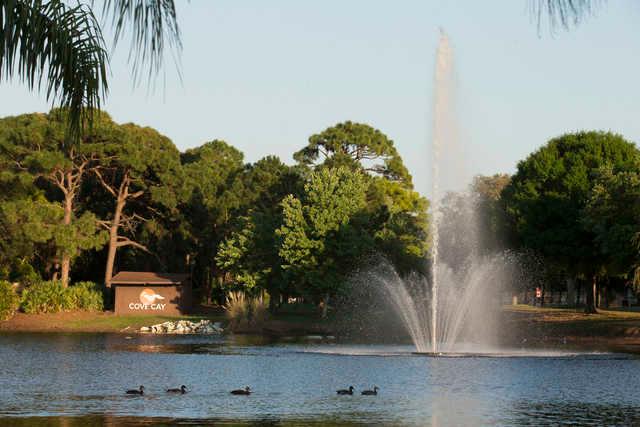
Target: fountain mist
[458,302]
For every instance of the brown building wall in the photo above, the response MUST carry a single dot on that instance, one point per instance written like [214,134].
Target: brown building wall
[170,300]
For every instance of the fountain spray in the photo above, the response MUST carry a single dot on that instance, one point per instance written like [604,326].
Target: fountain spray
[441,119]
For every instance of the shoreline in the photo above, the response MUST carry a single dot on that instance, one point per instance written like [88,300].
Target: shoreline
[527,327]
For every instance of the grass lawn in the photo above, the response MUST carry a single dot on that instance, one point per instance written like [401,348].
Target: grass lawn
[118,323]
[552,314]
[79,321]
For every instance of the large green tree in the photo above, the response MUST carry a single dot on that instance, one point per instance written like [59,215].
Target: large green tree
[397,215]
[140,171]
[35,146]
[547,196]
[214,194]
[322,236]
[251,251]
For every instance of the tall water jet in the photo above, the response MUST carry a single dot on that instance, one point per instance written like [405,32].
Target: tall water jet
[442,131]
[453,309]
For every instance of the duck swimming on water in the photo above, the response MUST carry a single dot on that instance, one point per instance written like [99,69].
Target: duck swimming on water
[345,391]
[373,392]
[139,392]
[242,391]
[181,390]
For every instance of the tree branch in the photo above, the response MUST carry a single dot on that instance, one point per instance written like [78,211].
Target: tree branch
[125,241]
[104,183]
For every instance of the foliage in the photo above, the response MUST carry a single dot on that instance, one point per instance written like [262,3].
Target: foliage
[493,223]
[9,300]
[547,195]
[547,198]
[34,152]
[138,166]
[322,236]
[86,296]
[59,47]
[251,250]
[613,215]
[52,297]
[242,309]
[236,307]
[562,13]
[45,297]
[352,144]
[398,220]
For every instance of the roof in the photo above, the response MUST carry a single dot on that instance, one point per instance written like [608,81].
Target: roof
[148,278]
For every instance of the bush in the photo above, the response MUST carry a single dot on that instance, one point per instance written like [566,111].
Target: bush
[236,307]
[259,310]
[9,300]
[244,310]
[86,296]
[52,297]
[45,297]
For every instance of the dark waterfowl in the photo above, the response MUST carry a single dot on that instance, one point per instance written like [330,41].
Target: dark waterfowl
[373,392]
[181,390]
[242,391]
[347,391]
[139,392]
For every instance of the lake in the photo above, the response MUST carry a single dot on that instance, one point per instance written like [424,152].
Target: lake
[80,379]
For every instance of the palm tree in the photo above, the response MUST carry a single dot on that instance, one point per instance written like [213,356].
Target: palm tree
[59,48]
[562,13]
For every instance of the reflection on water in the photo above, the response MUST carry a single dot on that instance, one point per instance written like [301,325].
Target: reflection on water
[69,380]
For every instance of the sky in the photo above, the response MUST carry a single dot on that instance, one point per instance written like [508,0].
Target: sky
[264,76]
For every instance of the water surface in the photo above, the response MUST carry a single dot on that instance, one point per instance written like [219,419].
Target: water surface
[80,379]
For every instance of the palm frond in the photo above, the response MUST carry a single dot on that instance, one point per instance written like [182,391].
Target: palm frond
[153,26]
[57,48]
[562,13]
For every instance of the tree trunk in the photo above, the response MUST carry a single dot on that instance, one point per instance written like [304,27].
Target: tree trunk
[113,240]
[571,291]
[590,305]
[578,294]
[66,258]
[325,306]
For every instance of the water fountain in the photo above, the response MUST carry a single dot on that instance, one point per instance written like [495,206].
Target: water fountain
[455,304]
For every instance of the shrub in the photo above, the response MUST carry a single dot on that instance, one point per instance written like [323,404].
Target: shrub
[259,310]
[236,307]
[243,310]
[86,296]
[52,297]
[45,297]
[9,300]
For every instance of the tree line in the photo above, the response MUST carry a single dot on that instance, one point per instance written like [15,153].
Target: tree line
[125,198]
[575,204]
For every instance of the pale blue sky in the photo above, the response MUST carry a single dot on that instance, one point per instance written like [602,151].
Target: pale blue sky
[264,76]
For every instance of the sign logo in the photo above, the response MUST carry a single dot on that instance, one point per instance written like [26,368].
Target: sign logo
[148,301]
[148,296]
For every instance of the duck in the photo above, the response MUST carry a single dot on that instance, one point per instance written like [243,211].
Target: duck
[346,391]
[242,391]
[373,392]
[139,391]
[181,390]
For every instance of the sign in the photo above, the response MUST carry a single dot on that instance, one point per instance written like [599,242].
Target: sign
[149,300]
[538,292]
